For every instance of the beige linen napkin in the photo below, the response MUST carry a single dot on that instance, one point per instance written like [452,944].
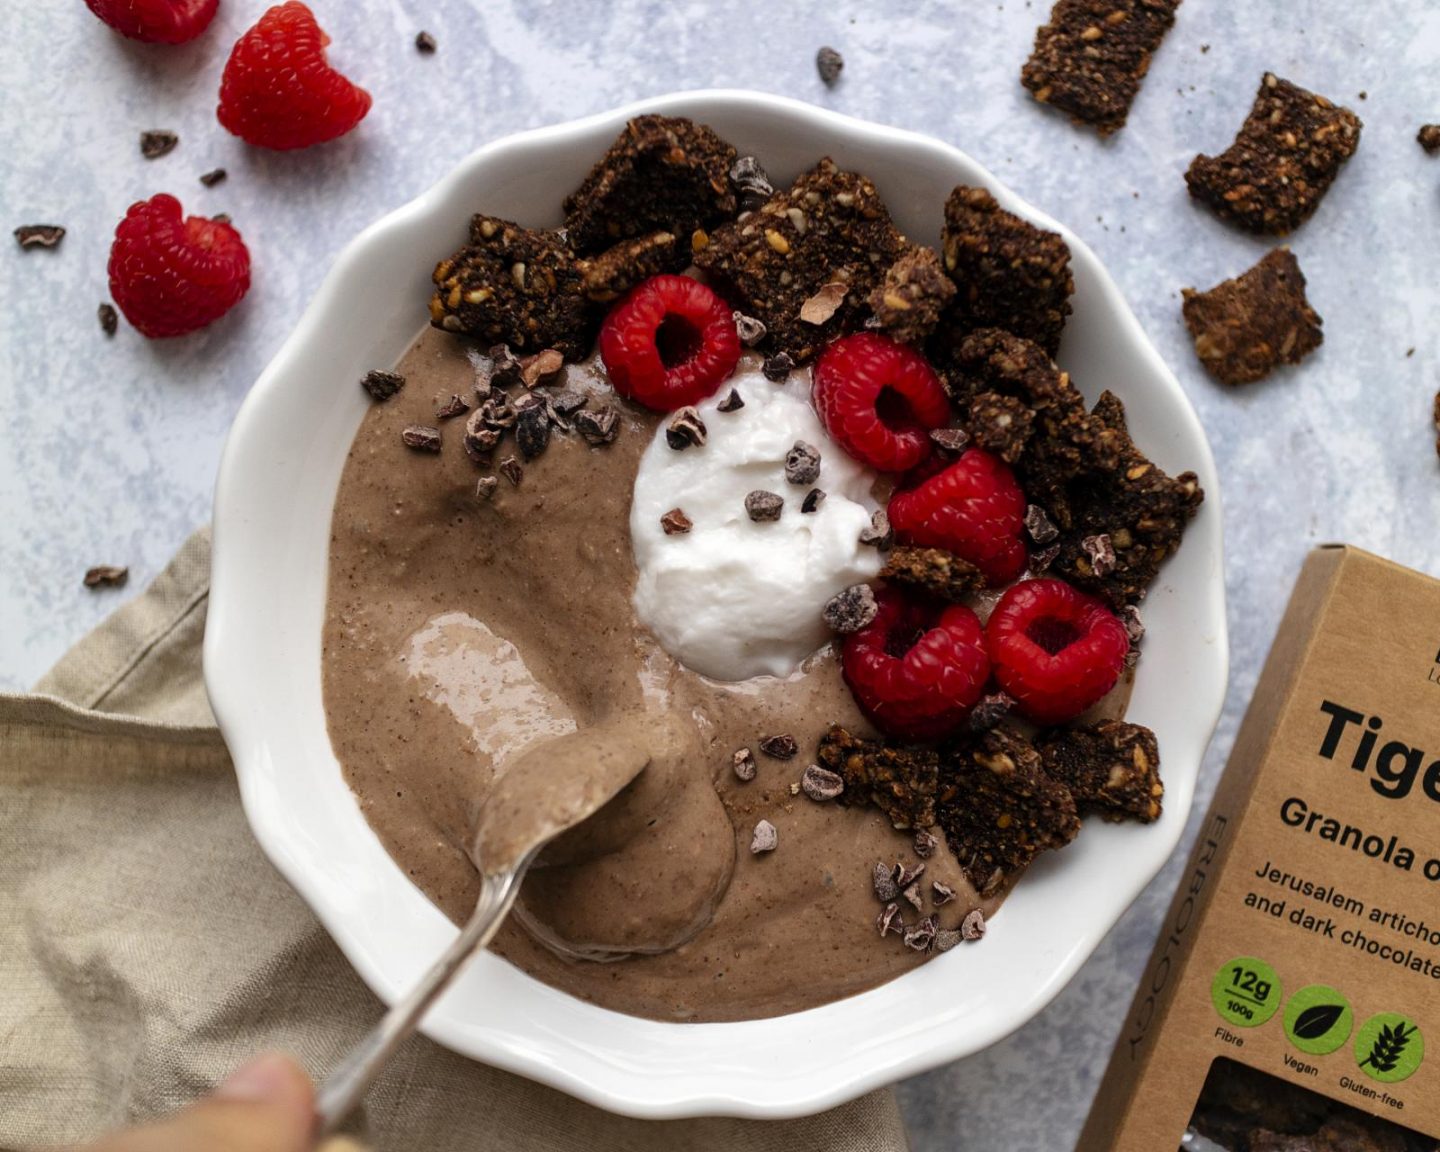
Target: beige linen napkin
[147,947]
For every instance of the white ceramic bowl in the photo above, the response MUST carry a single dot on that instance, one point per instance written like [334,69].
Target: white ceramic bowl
[277,483]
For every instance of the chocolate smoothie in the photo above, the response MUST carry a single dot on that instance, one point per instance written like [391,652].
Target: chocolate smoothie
[459,632]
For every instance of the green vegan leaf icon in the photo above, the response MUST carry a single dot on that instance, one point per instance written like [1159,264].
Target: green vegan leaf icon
[1388,1047]
[1314,1022]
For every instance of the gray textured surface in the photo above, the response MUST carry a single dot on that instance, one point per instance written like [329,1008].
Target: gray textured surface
[108,448]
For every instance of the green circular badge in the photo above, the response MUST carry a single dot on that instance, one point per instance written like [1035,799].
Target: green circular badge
[1389,1047]
[1246,992]
[1318,1019]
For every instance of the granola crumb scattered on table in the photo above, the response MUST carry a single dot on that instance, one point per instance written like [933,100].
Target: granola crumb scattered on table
[829,227]
[1089,59]
[1245,327]
[1284,159]
[1009,273]
[662,174]
[1111,768]
[516,286]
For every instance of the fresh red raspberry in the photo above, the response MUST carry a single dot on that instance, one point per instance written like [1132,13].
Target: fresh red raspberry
[917,669]
[1055,649]
[879,400]
[156,21]
[973,508]
[278,91]
[171,275]
[670,342]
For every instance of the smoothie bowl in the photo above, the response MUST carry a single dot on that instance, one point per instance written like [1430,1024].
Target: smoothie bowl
[732,423]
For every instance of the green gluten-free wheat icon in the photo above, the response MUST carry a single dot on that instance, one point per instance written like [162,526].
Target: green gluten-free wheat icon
[1389,1047]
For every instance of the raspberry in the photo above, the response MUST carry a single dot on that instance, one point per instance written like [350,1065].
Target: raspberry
[670,342]
[156,21]
[1055,649]
[917,669]
[278,91]
[879,400]
[171,275]
[972,508]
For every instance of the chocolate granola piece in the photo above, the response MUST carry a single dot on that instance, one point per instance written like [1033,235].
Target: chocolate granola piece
[951,440]
[1111,768]
[1090,58]
[1009,273]
[39,235]
[989,710]
[850,609]
[1039,526]
[829,63]
[816,496]
[821,784]
[662,174]
[732,403]
[1055,439]
[781,746]
[777,368]
[973,926]
[598,427]
[382,385]
[764,838]
[685,428]
[157,142]
[512,470]
[541,368]
[485,488]
[829,227]
[889,920]
[999,809]
[108,317]
[902,782]
[922,937]
[1429,138]
[941,894]
[908,303]
[1141,509]
[802,464]
[932,570]
[515,286]
[106,576]
[420,438]
[425,43]
[743,763]
[882,878]
[1286,156]
[762,506]
[1244,328]
[455,406]
[619,268]
[925,844]
[676,523]
[532,431]
[878,534]
[213,177]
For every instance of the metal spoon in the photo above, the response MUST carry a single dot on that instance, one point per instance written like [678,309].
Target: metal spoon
[547,790]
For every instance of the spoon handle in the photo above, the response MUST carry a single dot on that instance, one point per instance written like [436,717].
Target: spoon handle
[349,1081]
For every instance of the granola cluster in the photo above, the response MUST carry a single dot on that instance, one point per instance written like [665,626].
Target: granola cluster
[1247,327]
[1091,56]
[1001,798]
[827,241]
[1287,154]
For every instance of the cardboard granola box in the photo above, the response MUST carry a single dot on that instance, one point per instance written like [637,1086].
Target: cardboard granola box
[1291,998]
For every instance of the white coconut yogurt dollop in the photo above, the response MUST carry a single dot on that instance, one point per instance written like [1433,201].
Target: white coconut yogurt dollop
[734,598]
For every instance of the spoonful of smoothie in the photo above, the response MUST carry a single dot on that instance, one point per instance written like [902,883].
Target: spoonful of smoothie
[548,789]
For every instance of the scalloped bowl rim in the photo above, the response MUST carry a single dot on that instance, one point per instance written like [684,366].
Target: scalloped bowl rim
[279,472]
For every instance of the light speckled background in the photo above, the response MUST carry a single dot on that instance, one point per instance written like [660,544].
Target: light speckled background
[108,448]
